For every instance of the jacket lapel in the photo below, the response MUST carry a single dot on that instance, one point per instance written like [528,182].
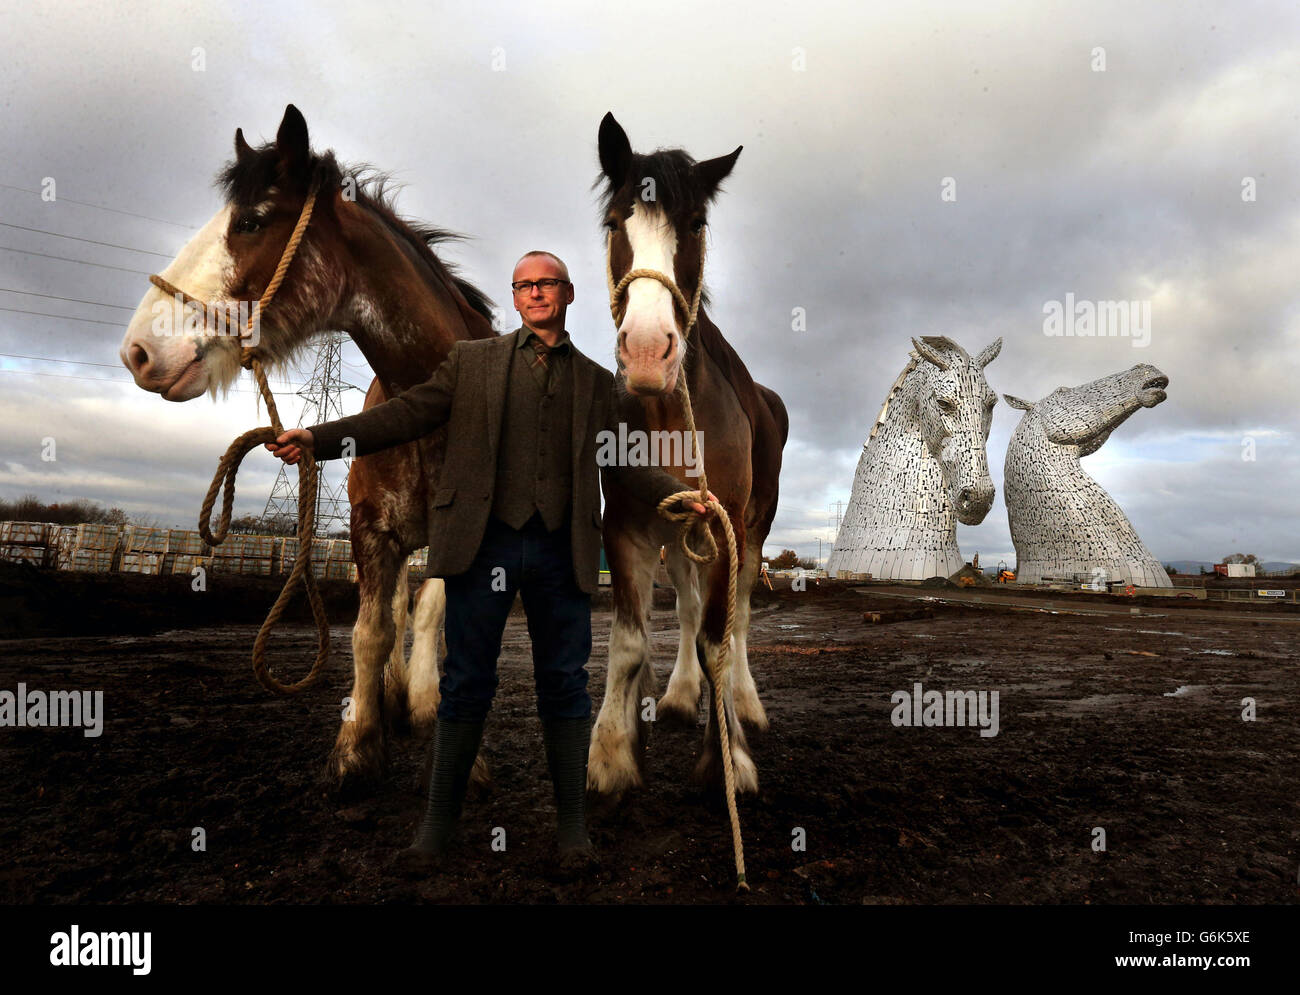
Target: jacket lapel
[494,390]
[584,385]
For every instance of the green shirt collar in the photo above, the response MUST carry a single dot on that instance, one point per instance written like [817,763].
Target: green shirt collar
[524,336]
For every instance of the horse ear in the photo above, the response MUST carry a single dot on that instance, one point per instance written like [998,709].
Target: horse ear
[929,354]
[292,144]
[989,354]
[243,151]
[615,151]
[1016,402]
[711,172]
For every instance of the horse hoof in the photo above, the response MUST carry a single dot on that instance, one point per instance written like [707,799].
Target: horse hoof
[603,804]
[349,778]
[708,775]
[676,712]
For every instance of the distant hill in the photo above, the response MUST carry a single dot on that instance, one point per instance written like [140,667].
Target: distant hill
[1279,567]
[1194,566]
[1185,566]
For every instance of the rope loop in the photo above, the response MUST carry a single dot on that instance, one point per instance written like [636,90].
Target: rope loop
[308,477]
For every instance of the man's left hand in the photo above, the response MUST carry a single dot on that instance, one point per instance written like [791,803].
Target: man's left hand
[701,509]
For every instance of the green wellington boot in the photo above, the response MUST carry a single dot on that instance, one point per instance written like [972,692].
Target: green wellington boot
[567,742]
[455,745]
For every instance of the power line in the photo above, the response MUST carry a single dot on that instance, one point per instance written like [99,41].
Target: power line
[283,384]
[65,317]
[74,300]
[69,259]
[92,241]
[101,207]
[69,376]
[49,359]
[116,380]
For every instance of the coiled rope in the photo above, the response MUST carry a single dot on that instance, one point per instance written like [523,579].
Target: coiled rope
[691,523]
[224,480]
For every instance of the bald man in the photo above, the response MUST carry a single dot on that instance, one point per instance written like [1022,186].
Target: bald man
[526,522]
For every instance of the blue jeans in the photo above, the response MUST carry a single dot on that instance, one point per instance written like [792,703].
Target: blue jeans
[539,566]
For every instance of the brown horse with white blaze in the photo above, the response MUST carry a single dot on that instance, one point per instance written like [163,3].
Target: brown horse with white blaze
[655,211]
[361,269]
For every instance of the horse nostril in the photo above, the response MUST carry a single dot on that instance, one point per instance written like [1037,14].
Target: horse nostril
[622,341]
[137,357]
[669,350]
[965,496]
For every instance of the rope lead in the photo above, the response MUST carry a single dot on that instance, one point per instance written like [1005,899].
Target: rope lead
[689,522]
[308,477]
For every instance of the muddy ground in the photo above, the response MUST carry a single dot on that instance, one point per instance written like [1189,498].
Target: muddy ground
[1197,805]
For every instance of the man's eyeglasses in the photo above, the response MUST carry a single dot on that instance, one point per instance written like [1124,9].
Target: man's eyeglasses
[526,286]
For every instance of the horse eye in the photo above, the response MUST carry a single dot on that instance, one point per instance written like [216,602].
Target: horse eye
[611,224]
[248,224]
[947,407]
[696,225]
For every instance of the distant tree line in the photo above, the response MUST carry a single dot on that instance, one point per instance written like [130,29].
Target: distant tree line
[30,508]
[788,559]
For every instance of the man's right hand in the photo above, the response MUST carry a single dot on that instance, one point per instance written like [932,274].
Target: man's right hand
[290,445]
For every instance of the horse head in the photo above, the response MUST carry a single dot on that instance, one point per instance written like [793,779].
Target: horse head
[655,209]
[1084,416]
[954,412]
[180,348]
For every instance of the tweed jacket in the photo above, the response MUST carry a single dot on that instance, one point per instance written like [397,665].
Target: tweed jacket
[468,394]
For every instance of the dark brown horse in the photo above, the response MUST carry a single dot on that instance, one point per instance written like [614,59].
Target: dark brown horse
[655,209]
[362,269]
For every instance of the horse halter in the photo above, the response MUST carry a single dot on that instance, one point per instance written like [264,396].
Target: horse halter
[617,291]
[248,353]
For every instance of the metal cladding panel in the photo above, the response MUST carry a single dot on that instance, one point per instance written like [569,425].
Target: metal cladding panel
[1062,522]
[899,524]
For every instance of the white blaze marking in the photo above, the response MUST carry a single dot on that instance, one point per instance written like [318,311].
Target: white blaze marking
[654,244]
[203,269]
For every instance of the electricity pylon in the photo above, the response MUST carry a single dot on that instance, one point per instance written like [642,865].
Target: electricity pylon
[322,401]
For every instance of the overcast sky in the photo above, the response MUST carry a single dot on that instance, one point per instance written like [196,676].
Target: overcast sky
[1122,184]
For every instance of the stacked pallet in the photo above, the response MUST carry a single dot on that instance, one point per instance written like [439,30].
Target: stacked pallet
[244,554]
[286,553]
[185,551]
[143,550]
[320,554]
[338,561]
[25,542]
[89,548]
[63,540]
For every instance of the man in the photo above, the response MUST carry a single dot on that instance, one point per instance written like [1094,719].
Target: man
[527,521]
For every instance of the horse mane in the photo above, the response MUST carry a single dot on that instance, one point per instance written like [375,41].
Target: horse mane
[243,182]
[709,337]
[912,362]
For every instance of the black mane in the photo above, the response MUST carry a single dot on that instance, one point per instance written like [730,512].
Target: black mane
[244,183]
[678,189]
[677,186]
